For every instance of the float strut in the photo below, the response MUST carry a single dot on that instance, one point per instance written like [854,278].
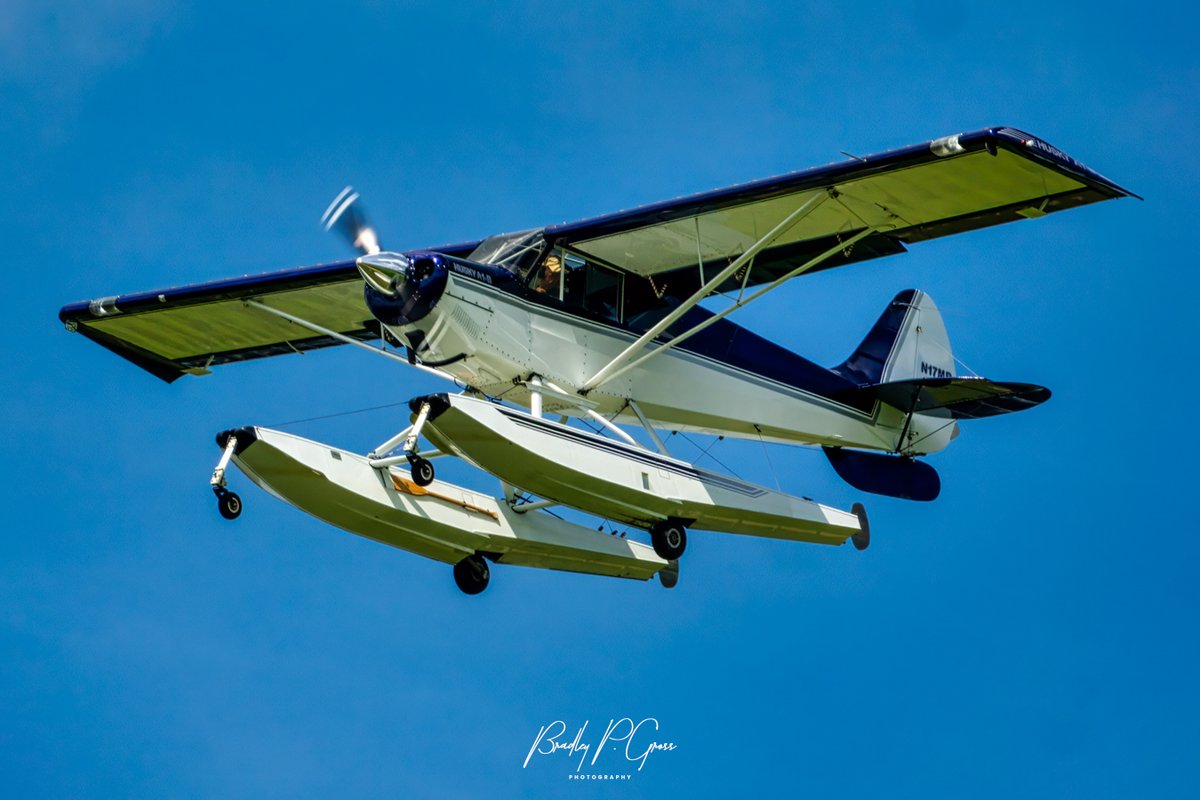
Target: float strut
[217,481]
[410,444]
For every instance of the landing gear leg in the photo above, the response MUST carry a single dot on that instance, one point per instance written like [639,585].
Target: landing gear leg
[472,574]
[422,470]
[669,539]
[228,503]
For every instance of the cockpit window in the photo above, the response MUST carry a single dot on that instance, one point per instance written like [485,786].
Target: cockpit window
[516,252]
[578,282]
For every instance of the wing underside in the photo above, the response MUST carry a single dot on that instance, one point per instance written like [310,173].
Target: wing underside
[175,332]
[188,329]
[886,202]
[935,189]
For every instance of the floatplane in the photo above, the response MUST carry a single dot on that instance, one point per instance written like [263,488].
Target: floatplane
[601,321]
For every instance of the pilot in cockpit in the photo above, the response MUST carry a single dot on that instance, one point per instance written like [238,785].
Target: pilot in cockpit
[548,281]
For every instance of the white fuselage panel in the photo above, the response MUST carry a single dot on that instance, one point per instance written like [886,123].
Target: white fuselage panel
[507,339]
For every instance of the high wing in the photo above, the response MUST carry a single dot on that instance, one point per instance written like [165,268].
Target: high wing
[186,330]
[851,211]
[937,188]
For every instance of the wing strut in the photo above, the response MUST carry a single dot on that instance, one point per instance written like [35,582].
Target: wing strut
[805,267]
[312,326]
[662,448]
[557,391]
[610,369]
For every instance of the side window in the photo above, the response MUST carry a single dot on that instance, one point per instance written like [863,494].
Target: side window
[603,293]
[591,286]
[574,269]
[578,282]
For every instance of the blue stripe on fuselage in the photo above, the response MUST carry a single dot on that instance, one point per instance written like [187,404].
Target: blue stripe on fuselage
[724,341]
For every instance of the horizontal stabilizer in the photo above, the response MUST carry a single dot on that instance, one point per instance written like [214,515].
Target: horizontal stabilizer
[962,397]
[893,476]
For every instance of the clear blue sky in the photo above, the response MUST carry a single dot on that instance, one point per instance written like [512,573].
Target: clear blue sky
[1031,633]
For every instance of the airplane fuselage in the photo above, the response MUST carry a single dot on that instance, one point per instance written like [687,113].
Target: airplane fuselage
[481,324]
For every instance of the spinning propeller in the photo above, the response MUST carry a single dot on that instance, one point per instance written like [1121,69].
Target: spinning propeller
[383,272]
[345,213]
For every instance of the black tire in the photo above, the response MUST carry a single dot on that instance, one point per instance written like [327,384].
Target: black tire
[669,540]
[229,504]
[472,574]
[862,539]
[422,471]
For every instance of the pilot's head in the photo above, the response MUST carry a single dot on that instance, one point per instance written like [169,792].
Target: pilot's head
[553,264]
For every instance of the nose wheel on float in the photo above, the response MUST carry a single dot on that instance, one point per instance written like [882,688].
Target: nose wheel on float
[228,503]
[422,470]
[419,463]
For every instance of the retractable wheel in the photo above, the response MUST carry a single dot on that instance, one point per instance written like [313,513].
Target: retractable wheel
[669,540]
[422,471]
[472,574]
[229,504]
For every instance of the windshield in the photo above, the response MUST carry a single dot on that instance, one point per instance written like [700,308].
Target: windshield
[515,252]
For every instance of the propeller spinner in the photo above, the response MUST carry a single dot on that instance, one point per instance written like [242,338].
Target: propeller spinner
[383,272]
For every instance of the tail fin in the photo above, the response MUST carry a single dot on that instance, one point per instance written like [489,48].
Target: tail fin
[906,363]
[908,341]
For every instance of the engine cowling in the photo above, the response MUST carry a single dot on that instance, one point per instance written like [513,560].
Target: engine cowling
[401,290]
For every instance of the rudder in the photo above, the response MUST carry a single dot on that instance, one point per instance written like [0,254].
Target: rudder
[909,340]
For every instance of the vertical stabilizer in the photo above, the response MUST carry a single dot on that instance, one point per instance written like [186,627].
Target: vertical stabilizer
[908,340]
